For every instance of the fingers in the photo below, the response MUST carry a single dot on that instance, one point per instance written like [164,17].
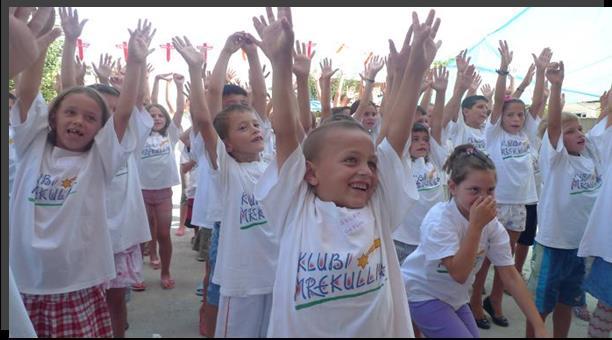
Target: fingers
[270,15]
[39,20]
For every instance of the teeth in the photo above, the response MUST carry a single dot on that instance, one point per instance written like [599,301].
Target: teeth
[359,186]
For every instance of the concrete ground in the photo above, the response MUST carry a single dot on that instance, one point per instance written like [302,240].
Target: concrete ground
[174,313]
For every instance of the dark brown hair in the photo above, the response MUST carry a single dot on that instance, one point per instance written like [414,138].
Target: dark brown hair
[164,130]
[466,157]
[57,102]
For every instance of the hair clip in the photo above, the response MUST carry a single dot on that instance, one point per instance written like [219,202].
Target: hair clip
[507,98]
[470,151]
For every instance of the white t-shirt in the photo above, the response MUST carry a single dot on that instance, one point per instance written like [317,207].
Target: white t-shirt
[460,133]
[571,185]
[338,272]
[207,207]
[12,158]
[442,232]
[597,238]
[428,178]
[157,162]
[127,215]
[511,154]
[59,239]
[191,176]
[247,255]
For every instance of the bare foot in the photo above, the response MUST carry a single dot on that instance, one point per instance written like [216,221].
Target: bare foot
[180,231]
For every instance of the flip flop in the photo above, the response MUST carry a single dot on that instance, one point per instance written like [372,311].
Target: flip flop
[180,232]
[498,320]
[167,283]
[139,287]
[156,264]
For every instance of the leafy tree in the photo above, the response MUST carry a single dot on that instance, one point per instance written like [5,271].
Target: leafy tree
[50,70]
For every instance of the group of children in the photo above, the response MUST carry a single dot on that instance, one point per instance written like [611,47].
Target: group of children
[341,226]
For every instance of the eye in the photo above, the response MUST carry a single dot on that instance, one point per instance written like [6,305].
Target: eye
[372,165]
[256,124]
[70,112]
[350,160]
[473,190]
[90,118]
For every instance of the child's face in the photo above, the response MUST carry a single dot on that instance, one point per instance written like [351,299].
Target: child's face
[423,119]
[573,137]
[370,117]
[513,118]
[476,115]
[234,99]
[159,120]
[245,136]
[77,121]
[477,183]
[419,146]
[345,170]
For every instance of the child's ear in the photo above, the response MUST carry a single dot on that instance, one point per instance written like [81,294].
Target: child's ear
[310,176]
[451,187]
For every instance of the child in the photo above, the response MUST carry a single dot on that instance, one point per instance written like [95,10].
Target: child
[571,169]
[334,203]
[455,237]
[233,142]
[158,174]
[364,110]
[60,247]
[509,132]
[427,159]
[597,237]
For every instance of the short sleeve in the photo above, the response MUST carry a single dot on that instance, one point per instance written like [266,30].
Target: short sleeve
[498,251]
[549,155]
[531,127]
[174,133]
[441,238]
[397,190]
[282,191]
[438,153]
[142,123]
[36,123]
[493,131]
[113,153]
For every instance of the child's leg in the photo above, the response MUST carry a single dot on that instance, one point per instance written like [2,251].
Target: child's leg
[152,245]
[497,292]
[562,320]
[115,297]
[437,319]
[163,213]
[208,312]
[477,288]
[601,321]
[183,211]
[527,237]
[241,317]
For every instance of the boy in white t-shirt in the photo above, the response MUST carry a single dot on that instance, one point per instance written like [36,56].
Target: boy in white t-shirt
[455,237]
[572,174]
[60,248]
[335,201]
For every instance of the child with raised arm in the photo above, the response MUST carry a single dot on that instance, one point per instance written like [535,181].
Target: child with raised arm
[427,158]
[455,237]
[597,237]
[60,248]
[335,202]
[572,172]
[233,143]
[510,133]
[364,110]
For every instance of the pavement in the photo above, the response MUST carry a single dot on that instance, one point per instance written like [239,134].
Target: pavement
[173,313]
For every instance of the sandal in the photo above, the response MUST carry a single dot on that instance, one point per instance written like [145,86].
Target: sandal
[498,320]
[582,313]
[139,287]
[167,283]
[483,323]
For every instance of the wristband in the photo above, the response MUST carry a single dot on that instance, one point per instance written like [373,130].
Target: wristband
[502,72]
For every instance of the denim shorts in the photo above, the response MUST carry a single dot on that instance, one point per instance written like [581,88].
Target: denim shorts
[213,291]
[599,281]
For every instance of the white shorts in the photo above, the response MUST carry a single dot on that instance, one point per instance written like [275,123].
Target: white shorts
[243,317]
[512,216]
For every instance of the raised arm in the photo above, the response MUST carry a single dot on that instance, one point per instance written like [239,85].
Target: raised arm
[155,90]
[138,49]
[179,80]
[277,42]
[473,89]
[81,71]
[555,73]
[463,82]
[327,72]
[256,77]
[439,84]
[375,64]
[72,30]
[217,78]
[422,54]
[487,91]
[198,104]
[301,69]
[525,83]
[104,69]
[426,89]
[541,62]
[500,86]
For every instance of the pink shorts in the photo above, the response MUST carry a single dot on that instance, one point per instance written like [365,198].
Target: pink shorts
[128,265]
[80,314]
[154,197]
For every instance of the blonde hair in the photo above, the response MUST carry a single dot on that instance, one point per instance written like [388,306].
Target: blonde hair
[566,117]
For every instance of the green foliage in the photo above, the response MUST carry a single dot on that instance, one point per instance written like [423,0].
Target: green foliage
[51,68]
[335,82]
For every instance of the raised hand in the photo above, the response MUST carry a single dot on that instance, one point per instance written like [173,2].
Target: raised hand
[374,66]
[327,70]
[487,91]
[138,46]
[248,44]
[542,61]
[482,211]
[423,55]
[233,43]
[506,54]
[301,60]
[230,75]
[555,73]
[528,76]
[396,61]
[179,79]
[105,68]
[81,70]
[164,76]
[116,81]
[427,80]
[277,36]
[440,79]
[475,84]
[189,53]
[467,78]
[70,23]
[461,61]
